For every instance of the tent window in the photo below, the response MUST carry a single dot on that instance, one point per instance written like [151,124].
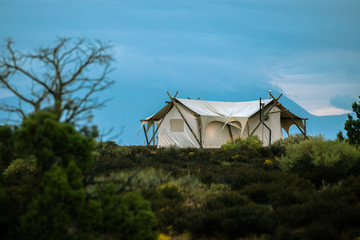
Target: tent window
[177,125]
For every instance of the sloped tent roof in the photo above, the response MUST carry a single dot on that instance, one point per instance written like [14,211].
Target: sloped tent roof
[226,111]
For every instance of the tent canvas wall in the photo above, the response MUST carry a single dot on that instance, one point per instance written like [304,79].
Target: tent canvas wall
[209,124]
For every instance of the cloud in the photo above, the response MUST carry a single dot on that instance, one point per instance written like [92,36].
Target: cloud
[322,82]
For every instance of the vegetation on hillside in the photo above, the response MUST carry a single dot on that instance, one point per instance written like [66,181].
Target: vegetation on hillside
[43,193]
[57,182]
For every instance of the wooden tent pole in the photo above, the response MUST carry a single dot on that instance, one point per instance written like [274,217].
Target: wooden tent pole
[153,130]
[287,112]
[296,124]
[187,124]
[255,129]
[230,132]
[156,130]
[199,126]
[147,140]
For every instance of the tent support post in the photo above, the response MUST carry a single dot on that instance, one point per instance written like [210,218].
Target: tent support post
[230,132]
[264,123]
[304,133]
[200,127]
[305,127]
[287,112]
[152,138]
[153,129]
[147,140]
[255,129]
[187,124]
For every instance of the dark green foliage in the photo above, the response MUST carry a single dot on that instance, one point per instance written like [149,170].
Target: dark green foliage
[7,152]
[321,160]
[54,213]
[264,200]
[50,141]
[88,131]
[293,189]
[125,217]
[352,126]
[231,216]
[16,192]
[340,137]
[42,194]
[167,203]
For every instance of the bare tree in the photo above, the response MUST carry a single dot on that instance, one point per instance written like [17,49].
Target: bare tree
[62,78]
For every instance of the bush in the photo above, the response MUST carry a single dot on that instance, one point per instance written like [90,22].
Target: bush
[231,215]
[320,152]
[251,143]
[294,139]
[167,203]
[20,167]
[61,212]
[55,211]
[126,217]
[321,160]
[50,141]
[7,153]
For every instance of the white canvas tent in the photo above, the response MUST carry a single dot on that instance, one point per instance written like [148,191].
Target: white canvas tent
[209,124]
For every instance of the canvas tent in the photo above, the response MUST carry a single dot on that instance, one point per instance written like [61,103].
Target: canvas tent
[209,124]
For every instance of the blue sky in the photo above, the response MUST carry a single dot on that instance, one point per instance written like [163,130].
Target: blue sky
[218,50]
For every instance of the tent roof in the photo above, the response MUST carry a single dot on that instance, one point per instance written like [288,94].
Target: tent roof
[220,109]
[213,108]
[223,109]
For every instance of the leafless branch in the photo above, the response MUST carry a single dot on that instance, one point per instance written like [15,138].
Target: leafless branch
[62,79]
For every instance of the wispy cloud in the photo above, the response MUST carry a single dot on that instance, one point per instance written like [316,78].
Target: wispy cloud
[313,79]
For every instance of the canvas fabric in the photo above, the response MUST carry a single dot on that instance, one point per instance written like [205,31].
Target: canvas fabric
[219,120]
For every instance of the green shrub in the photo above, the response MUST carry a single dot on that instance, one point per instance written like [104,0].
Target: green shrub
[50,141]
[294,139]
[167,203]
[251,143]
[320,152]
[321,160]
[7,153]
[61,212]
[125,217]
[231,216]
[19,167]
[54,212]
